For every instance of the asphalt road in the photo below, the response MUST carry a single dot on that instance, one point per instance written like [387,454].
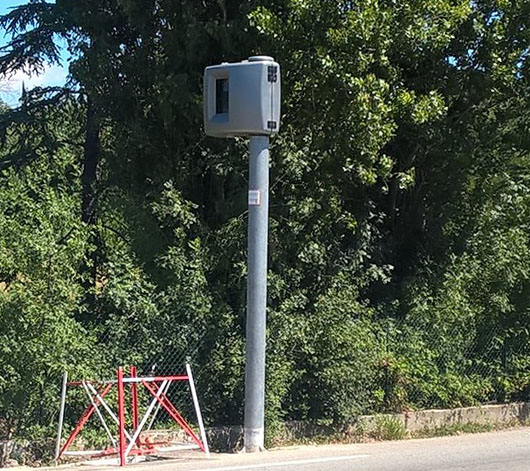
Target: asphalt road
[496,451]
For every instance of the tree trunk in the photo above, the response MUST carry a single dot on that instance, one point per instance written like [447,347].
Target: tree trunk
[89,207]
[90,164]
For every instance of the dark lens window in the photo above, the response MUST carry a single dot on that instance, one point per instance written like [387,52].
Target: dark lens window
[221,96]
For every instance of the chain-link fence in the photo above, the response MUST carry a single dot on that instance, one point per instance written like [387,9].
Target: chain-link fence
[451,364]
[414,363]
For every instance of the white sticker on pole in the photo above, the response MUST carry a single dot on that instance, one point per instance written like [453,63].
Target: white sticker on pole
[254,197]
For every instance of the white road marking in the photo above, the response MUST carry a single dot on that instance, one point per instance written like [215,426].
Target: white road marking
[286,463]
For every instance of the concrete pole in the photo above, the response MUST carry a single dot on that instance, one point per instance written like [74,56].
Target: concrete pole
[258,213]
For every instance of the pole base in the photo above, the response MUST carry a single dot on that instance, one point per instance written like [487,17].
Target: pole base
[253,440]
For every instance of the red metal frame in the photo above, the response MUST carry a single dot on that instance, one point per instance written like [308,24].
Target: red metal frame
[121,416]
[103,388]
[134,401]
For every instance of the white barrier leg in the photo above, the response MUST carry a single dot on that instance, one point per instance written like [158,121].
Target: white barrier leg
[98,412]
[198,411]
[61,417]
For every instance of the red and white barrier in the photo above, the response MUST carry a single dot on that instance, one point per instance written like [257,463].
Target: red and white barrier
[129,442]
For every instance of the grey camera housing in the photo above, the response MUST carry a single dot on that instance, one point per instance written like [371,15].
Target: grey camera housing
[242,98]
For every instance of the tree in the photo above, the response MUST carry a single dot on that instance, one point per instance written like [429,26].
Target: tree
[398,217]
[42,246]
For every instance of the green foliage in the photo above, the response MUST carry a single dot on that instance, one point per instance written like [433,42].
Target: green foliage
[42,244]
[388,427]
[399,241]
[140,304]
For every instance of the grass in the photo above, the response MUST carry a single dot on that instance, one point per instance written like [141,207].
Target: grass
[388,427]
[460,429]
[383,428]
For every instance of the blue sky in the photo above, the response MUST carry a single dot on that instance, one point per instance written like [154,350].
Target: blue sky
[10,87]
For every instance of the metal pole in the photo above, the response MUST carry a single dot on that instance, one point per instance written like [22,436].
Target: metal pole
[61,417]
[258,212]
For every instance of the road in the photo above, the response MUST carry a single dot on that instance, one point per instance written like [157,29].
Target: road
[495,451]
